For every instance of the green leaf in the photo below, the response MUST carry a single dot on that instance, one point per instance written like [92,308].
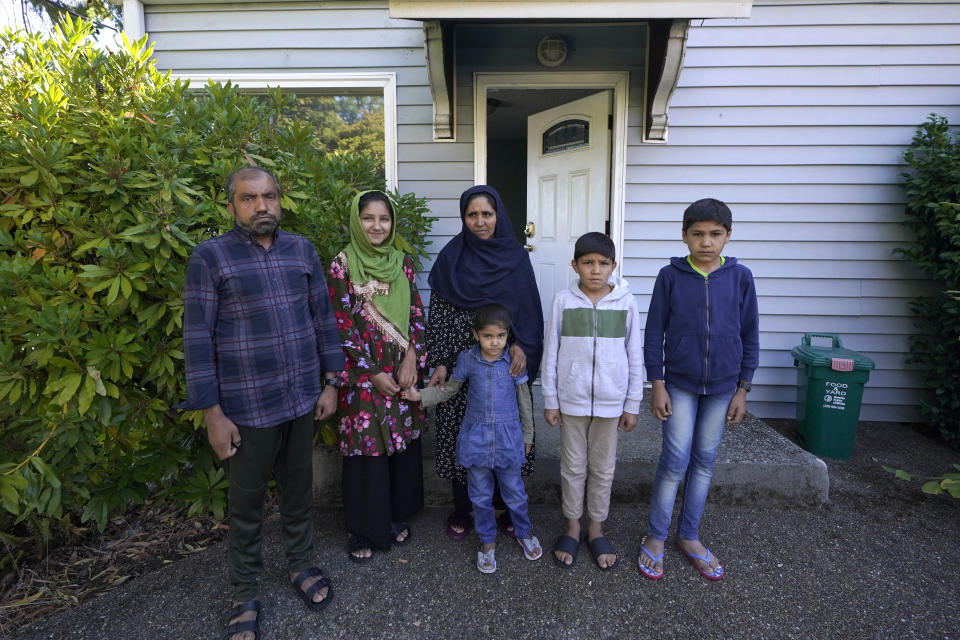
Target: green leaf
[902,475]
[952,487]
[86,395]
[932,487]
[45,471]
[114,290]
[29,178]
[9,496]
[68,385]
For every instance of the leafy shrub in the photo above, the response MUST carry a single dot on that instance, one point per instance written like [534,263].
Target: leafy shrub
[110,172]
[933,214]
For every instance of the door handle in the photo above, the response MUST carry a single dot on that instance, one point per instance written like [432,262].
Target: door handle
[528,247]
[529,229]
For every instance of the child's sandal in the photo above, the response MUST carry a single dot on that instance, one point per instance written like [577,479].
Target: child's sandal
[487,561]
[531,548]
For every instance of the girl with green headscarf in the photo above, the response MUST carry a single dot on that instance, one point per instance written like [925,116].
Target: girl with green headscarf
[381,322]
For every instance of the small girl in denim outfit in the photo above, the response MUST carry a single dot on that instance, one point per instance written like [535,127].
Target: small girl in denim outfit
[497,431]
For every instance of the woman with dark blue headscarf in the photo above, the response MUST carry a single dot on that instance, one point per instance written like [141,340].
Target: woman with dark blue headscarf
[482,264]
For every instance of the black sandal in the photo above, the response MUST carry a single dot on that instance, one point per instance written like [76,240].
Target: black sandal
[602,546]
[307,596]
[252,626]
[568,545]
[359,543]
[396,528]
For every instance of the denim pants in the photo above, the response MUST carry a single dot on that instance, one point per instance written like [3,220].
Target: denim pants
[480,487]
[691,436]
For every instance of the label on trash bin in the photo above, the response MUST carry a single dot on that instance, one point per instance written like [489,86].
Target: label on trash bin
[841,364]
[834,395]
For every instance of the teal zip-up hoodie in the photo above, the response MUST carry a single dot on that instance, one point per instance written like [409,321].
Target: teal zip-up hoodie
[593,354]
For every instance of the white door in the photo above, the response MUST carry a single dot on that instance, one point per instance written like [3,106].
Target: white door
[568,185]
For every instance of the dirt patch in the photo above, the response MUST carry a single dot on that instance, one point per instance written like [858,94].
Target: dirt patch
[142,540]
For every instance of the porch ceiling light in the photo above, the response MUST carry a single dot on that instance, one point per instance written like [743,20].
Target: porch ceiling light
[552,50]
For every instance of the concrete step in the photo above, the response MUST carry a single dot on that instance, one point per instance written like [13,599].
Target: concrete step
[755,465]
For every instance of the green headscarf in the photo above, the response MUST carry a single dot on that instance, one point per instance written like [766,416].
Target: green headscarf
[384,263]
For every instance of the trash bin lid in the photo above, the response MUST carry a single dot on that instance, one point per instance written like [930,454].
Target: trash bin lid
[833,356]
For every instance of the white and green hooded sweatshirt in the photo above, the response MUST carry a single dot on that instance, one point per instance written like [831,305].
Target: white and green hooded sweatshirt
[593,354]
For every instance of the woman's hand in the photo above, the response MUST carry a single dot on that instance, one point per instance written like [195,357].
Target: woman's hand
[660,405]
[407,371]
[518,360]
[438,378]
[385,384]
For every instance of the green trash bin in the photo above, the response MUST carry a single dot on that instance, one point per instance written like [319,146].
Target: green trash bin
[830,383]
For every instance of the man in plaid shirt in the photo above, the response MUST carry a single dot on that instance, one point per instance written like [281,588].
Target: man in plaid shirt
[262,353]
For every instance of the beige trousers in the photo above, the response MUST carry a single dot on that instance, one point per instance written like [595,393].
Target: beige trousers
[588,456]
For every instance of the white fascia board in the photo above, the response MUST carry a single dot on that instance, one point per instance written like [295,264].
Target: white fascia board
[584,9]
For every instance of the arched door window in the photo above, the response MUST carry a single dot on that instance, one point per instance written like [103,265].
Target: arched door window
[565,135]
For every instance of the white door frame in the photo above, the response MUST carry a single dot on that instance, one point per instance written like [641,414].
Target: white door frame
[618,81]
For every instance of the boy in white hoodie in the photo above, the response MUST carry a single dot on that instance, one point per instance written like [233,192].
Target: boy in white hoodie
[592,376]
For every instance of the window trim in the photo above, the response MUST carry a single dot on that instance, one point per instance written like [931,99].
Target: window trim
[323,83]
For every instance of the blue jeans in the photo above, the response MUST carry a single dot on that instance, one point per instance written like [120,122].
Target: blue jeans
[480,488]
[691,436]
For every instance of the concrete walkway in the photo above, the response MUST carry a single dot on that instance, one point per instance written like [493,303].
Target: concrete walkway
[755,465]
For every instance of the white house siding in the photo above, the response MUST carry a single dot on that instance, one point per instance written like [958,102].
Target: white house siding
[798,118]
[308,37]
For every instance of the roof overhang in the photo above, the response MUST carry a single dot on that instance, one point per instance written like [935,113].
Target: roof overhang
[669,22]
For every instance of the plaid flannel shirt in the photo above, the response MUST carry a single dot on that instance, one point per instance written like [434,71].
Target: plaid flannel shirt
[258,328]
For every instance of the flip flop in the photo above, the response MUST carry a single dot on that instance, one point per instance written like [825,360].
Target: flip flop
[566,544]
[307,596]
[716,574]
[645,570]
[602,546]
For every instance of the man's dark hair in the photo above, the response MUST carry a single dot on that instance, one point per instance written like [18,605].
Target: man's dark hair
[708,210]
[244,172]
[375,196]
[488,314]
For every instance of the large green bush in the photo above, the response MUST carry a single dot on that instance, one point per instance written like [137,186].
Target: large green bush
[110,172]
[933,214]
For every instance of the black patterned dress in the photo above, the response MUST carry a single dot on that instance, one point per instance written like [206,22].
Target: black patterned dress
[450,331]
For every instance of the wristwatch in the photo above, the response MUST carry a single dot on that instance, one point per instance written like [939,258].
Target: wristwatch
[334,382]
[743,384]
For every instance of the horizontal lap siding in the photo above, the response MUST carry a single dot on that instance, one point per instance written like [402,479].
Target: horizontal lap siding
[798,118]
[317,37]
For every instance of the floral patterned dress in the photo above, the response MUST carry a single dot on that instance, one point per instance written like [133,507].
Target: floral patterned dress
[449,332]
[371,424]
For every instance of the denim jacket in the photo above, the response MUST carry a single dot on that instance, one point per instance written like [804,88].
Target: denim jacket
[499,415]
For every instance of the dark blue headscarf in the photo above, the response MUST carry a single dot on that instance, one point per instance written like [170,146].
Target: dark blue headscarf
[470,272]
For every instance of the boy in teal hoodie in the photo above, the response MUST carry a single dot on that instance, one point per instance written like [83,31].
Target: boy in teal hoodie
[592,376]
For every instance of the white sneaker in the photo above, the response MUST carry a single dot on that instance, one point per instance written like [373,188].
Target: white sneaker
[531,548]
[487,561]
